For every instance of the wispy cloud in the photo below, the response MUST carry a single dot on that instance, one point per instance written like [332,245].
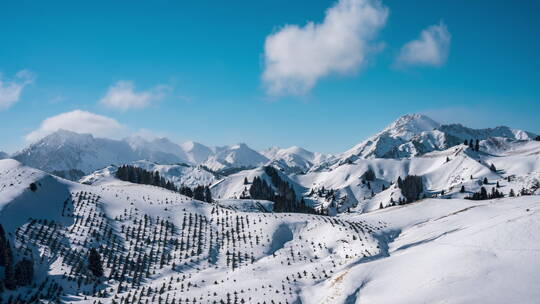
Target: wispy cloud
[78,121]
[11,89]
[295,58]
[122,96]
[430,49]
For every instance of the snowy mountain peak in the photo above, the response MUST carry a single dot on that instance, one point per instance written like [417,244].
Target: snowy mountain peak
[410,125]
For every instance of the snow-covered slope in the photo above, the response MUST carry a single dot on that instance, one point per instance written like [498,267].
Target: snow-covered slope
[180,175]
[156,244]
[445,251]
[159,246]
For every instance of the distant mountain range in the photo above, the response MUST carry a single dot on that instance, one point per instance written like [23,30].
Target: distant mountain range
[409,136]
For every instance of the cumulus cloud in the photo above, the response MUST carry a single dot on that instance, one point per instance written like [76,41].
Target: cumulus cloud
[296,57]
[122,96]
[430,49]
[10,90]
[80,122]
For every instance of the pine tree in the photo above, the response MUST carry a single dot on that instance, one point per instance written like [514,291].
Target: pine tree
[3,246]
[462,189]
[485,182]
[24,272]
[512,193]
[492,168]
[477,146]
[94,263]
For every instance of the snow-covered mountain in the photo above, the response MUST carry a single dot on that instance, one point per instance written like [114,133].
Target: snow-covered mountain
[159,149]
[3,155]
[196,152]
[416,134]
[236,156]
[294,159]
[66,150]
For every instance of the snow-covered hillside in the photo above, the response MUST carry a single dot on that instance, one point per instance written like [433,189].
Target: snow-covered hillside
[180,175]
[159,246]
[445,251]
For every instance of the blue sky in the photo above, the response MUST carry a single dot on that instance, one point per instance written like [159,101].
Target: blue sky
[195,70]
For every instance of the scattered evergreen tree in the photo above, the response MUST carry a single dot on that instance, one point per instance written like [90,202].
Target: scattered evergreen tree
[477,146]
[537,138]
[4,247]
[94,263]
[483,194]
[512,193]
[492,168]
[466,143]
[399,182]
[33,187]
[485,182]
[462,189]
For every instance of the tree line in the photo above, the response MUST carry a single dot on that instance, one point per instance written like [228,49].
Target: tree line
[139,175]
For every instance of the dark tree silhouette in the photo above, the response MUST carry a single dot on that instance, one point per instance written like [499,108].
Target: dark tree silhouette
[411,187]
[94,263]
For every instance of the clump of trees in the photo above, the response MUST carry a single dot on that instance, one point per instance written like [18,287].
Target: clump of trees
[474,146]
[411,187]
[537,138]
[15,274]
[484,195]
[284,196]
[369,175]
[139,175]
[94,263]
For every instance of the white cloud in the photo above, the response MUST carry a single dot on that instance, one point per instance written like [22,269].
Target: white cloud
[430,49]
[10,90]
[296,57]
[80,122]
[122,96]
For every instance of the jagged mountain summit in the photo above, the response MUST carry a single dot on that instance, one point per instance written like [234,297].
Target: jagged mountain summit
[294,159]
[73,155]
[416,134]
